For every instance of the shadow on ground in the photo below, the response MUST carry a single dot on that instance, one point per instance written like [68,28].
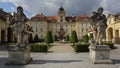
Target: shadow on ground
[4,60]
[116,61]
[3,47]
[53,61]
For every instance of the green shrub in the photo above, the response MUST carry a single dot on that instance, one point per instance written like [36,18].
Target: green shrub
[73,38]
[41,40]
[67,38]
[110,44]
[30,38]
[81,47]
[91,36]
[38,48]
[86,38]
[36,39]
[55,38]
[49,37]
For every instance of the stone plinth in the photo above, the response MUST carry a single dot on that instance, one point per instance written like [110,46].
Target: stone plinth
[19,56]
[100,54]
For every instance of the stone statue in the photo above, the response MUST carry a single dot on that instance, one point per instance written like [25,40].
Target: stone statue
[98,52]
[98,25]
[20,28]
[20,55]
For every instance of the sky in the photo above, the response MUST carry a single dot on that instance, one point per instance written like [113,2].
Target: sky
[50,7]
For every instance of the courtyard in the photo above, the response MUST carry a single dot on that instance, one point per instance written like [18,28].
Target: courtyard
[62,56]
[57,34]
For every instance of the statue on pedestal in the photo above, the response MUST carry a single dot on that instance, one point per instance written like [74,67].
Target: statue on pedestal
[21,53]
[99,53]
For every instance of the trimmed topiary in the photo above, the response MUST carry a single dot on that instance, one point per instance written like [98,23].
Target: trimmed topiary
[86,38]
[49,37]
[110,44]
[38,48]
[73,38]
[81,47]
[30,38]
[67,38]
[91,36]
[55,37]
[36,39]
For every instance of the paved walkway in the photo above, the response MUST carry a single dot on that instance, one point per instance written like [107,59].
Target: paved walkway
[61,47]
[63,60]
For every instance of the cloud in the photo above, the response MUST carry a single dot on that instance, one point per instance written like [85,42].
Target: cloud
[111,6]
[72,7]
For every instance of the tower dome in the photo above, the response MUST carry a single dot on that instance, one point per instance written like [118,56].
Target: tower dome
[61,8]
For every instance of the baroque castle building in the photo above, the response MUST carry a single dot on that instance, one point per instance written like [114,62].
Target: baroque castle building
[113,29]
[60,25]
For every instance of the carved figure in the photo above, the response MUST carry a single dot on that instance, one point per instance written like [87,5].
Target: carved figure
[21,28]
[98,24]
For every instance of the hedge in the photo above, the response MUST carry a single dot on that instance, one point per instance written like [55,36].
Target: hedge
[81,47]
[38,48]
[110,44]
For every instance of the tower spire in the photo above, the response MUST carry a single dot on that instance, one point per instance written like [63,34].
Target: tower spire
[61,3]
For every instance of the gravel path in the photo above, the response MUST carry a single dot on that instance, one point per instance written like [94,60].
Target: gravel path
[61,48]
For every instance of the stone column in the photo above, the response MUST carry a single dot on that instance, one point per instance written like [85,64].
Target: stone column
[107,35]
[6,35]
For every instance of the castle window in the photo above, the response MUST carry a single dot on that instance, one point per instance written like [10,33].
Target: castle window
[82,30]
[61,17]
[41,30]
[61,20]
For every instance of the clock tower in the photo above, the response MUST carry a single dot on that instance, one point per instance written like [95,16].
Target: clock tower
[61,15]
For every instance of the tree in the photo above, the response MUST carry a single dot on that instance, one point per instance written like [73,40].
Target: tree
[67,38]
[55,37]
[91,36]
[30,38]
[36,39]
[49,37]
[86,38]
[73,38]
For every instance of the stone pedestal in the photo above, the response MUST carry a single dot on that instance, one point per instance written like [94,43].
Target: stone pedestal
[99,54]
[19,56]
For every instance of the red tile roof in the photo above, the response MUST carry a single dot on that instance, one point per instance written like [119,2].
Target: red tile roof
[52,18]
[38,16]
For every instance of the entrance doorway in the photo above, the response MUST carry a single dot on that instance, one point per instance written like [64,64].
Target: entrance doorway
[2,36]
[61,34]
[10,35]
[117,36]
[110,34]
